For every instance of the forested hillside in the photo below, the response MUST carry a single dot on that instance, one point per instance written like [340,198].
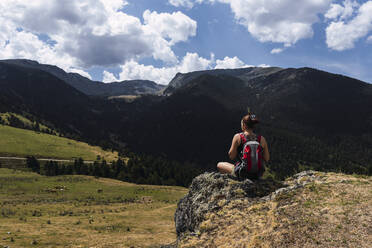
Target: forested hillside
[311,118]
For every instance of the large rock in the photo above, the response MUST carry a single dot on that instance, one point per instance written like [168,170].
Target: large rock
[209,191]
[304,211]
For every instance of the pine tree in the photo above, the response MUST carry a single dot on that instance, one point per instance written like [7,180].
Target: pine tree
[33,164]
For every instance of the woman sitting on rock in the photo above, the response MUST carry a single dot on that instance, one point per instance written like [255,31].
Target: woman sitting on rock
[251,151]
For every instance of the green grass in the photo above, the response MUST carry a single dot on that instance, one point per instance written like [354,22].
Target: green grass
[21,142]
[5,117]
[88,212]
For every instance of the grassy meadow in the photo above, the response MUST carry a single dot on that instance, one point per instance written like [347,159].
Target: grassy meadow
[21,142]
[28,123]
[83,211]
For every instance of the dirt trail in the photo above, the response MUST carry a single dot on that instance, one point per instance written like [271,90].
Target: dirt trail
[46,159]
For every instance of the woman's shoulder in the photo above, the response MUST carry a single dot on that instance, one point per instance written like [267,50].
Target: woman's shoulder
[263,141]
[236,136]
[261,136]
[253,136]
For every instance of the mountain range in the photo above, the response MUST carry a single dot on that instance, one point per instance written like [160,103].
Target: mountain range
[311,118]
[89,87]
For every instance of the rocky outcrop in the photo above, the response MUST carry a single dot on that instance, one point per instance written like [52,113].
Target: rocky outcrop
[309,209]
[210,191]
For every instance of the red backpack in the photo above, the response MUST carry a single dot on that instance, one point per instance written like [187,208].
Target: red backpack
[251,157]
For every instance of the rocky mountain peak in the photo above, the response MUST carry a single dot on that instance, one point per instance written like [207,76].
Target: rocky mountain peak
[245,74]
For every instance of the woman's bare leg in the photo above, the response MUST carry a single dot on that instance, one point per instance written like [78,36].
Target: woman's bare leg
[225,167]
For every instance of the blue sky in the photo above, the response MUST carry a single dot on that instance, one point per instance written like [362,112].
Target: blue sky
[115,40]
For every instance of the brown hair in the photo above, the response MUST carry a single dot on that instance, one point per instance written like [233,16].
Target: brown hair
[250,120]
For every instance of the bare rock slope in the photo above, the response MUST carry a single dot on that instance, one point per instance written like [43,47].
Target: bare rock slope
[311,209]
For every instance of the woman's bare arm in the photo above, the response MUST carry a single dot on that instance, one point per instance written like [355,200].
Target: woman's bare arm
[233,152]
[266,154]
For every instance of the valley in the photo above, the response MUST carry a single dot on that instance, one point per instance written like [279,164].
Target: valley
[133,142]
[185,123]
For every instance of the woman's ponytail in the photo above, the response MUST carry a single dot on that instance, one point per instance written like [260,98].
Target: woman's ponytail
[250,120]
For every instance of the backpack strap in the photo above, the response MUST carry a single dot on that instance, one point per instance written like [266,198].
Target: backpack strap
[242,138]
[260,165]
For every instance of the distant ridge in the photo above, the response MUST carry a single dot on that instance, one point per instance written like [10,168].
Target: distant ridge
[89,87]
[244,74]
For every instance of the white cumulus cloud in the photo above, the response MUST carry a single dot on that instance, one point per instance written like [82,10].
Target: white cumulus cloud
[334,12]
[182,3]
[133,70]
[87,33]
[190,3]
[176,26]
[114,5]
[288,21]
[284,21]
[163,75]
[27,45]
[108,77]
[230,63]
[81,72]
[369,39]
[342,12]
[276,50]
[342,35]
